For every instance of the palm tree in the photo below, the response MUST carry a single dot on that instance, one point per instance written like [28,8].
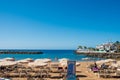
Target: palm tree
[85,47]
[80,47]
[117,42]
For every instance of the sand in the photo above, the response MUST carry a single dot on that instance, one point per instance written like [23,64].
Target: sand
[83,73]
[89,74]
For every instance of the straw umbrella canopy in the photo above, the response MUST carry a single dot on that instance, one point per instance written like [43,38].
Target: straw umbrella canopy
[115,65]
[9,59]
[46,60]
[77,63]
[1,60]
[34,64]
[8,63]
[40,64]
[22,61]
[63,60]
[105,61]
[54,64]
[118,62]
[29,59]
[31,64]
[109,60]
[63,63]
[100,62]
[38,60]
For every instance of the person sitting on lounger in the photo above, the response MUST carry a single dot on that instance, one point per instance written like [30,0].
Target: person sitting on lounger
[95,65]
[95,68]
[103,66]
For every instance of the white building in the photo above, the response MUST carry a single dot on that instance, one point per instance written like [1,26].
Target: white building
[108,47]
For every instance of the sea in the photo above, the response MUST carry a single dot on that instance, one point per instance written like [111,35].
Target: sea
[52,54]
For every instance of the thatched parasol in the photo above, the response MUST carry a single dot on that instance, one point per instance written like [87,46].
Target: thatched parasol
[39,64]
[45,60]
[9,59]
[8,63]
[63,59]
[29,59]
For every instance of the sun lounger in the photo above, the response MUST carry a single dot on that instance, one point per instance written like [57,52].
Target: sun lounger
[56,75]
[106,73]
[94,69]
[117,73]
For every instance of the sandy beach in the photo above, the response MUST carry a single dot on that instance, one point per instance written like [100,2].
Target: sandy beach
[83,72]
[89,74]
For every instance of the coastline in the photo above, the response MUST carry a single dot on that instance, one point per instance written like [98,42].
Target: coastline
[99,54]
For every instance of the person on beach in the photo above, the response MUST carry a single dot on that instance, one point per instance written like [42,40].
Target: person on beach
[103,66]
[95,67]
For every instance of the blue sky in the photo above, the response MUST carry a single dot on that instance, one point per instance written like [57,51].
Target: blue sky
[58,24]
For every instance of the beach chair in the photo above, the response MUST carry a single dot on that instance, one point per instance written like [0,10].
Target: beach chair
[19,79]
[106,73]
[60,69]
[55,75]
[95,69]
[12,74]
[117,73]
[101,73]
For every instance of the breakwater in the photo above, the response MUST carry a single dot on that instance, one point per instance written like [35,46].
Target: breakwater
[20,52]
[100,55]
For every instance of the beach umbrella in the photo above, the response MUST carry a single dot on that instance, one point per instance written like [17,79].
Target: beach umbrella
[54,64]
[40,64]
[118,69]
[114,65]
[109,60]
[31,64]
[9,59]
[46,60]
[118,62]
[105,61]
[22,61]
[1,60]
[100,61]
[63,59]
[8,63]
[77,63]
[38,60]
[29,59]
[63,63]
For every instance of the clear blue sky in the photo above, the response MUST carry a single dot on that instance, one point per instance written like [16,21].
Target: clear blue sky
[58,24]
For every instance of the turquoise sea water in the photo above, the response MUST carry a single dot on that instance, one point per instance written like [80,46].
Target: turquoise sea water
[52,54]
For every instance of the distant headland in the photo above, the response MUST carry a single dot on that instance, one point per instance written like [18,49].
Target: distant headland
[106,50]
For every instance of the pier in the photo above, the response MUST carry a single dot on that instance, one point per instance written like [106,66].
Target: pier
[20,52]
[100,55]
